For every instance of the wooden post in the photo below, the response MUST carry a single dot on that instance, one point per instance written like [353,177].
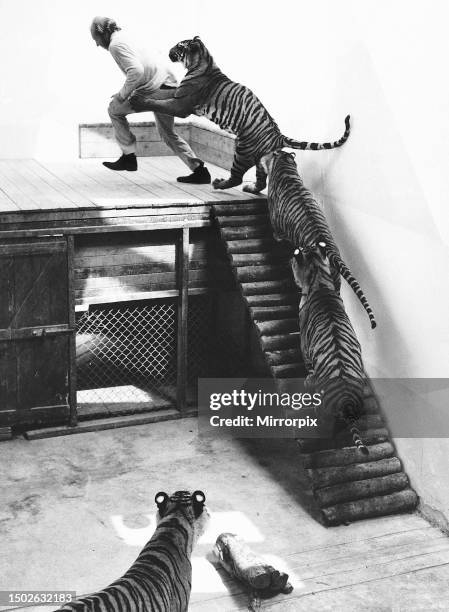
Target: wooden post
[182,273]
[73,418]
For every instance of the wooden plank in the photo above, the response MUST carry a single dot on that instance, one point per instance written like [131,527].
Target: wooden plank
[183,274]
[142,133]
[220,141]
[83,301]
[73,417]
[215,156]
[32,248]
[135,280]
[71,174]
[10,186]
[136,269]
[124,293]
[99,141]
[170,168]
[30,184]
[119,245]
[52,191]
[96,229]
[105,220]
[60,186]
[6,204]
[110,423]
[37,331]
[109,149]
[8,384]
[109,181]
[160,208]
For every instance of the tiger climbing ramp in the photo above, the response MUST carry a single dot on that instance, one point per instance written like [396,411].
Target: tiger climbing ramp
[346,484]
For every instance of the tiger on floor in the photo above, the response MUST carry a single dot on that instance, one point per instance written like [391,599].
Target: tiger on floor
[160,579]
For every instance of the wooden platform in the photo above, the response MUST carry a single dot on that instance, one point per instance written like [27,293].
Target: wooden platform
[74,234]
[81,195]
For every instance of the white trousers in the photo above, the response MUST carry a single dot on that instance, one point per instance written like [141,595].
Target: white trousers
[165,125]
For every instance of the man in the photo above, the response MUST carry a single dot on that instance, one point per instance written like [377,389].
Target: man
[148,76]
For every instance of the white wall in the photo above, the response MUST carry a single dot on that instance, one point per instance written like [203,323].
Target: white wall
[386,192]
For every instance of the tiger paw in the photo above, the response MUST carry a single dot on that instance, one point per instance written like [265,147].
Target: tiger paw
[253,188]
[224,183]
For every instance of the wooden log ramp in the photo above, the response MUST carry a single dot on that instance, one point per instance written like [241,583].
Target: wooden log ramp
[347,485]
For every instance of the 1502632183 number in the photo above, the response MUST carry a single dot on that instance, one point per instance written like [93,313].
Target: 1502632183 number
[36,598]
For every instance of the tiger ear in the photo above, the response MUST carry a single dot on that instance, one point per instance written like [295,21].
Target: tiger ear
[198,498]
[161,500]
[197,38]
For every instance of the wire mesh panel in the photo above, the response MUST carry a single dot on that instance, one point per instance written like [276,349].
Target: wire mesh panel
[126,355]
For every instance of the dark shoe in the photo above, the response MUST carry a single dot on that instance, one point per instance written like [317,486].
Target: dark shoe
[200,176]
[125,162]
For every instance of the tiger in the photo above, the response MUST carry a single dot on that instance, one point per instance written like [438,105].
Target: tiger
[331,350]
[297,218]
[206,91]
[161,577]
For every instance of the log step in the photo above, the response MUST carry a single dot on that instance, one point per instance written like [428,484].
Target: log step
[285,356]
[267,287]
[361,489]
[370,406]
[280,342]
[251,245]
[248,274]
[400,501]
[347,456]
[243,220]
[272,299]
[268,313]
[369,437]
[323,477]
[243,232]
[257,259]
[276,327]
[289,370]
[241,208]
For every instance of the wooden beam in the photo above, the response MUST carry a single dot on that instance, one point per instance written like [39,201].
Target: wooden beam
[182,267]
[73,417]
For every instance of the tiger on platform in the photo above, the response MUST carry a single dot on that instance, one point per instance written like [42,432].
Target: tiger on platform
[205,90]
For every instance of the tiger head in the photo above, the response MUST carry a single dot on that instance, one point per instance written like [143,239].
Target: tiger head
[187,506]
[311,267]
[190,52]
[267,161]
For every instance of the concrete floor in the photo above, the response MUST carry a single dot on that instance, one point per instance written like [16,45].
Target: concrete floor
[76,510]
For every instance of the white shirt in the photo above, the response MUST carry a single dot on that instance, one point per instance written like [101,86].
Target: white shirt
[144,70]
